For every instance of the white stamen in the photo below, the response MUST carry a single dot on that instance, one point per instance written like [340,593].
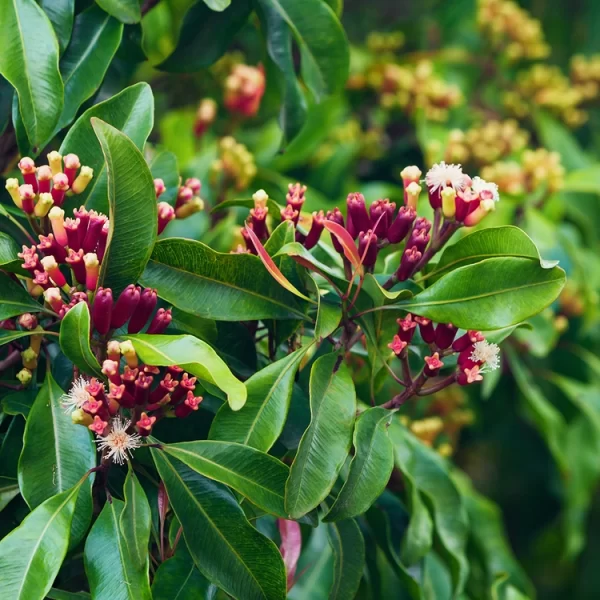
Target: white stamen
[487,187]
[442,175]
[119,442]
[486,353]
[76,397]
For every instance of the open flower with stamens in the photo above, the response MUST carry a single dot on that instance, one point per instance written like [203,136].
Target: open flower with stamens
[486,190]
[442,175]
[486,353]
[77,396]
[118,442]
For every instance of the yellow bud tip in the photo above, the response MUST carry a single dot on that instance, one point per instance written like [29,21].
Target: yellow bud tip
[55,162]
[448,202]
[90,259]
[126,348]
[55,213]
[260,198]
[24,376]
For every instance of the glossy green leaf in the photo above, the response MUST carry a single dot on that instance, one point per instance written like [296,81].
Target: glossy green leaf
[228,287]
[9,335]
[56,454]
[491,294]
[14,299]
[135,521]
[279,45]
[205,36]
[75,339]
[348,547]
[29,61]
[19,403]
[333,409]
[225,547]
[429,473]
[254,474]
[492,242]
[110,570]
[56,594]
[9,488]
[126,11]
[9,261]
[195,357]
[179,578]
[322,42]
[133,212]
[217,5]
[31,554]
[95,39]
[263,417]
[132,112]
[205,329]
[370,468]
[60,13]
[164,166]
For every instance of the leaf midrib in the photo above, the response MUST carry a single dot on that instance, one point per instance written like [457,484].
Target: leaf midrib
[457,261]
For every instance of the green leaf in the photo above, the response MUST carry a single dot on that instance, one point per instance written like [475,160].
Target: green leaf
[279,45]
[262,420]
[132,112]
[429,473]
[164,166]
[96,37]
[227,287]
[370,469]
[56,594]
[19,403]
[217,5]
[491,294]
[9,488]
[195,357]
[135,521]
[322,42]
[9,335]
[348,547]
[109,567]
[60,13]
[205,329]
[332,408]
[14,299]
[127,11]
[493,242]
[583,180]
[31,554]
[9,261]
[205,36]
[75,339]
[225,547]
[56,454]
[254,474]
[133,212]
[29,60]
[179,578]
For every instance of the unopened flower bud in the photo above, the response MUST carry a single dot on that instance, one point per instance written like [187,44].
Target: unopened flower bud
[316,228]
[57,221]
[102,310]
[128,351]
[475,217]
[160,322]
[336,216]
[28,321]
[60,185]
[358,217]
[444,335]
[55,162]
[29,358]
[50,247]
[12,187]
[410,258]
[426,329]
[82,180]
[125,306]
[205,115]
[75,261]
[71,165]
[382,213]
[295,196]
[110,368]
[142,388]
[432,364]
[166,213]
[51,267]
[80,417]
[44,176]
[83,216]
[419,239]
[411,195]
[410,175]
[194,184]
[24,376]
[367,248]
[44,204]
[113,350]
[448,202]
[159,186]
[289,214]
[406,328]
[27,168]
[184,195]
[94,230]
[467,340]
[145,308]
[27,195]
[399,229]
[92,270]
[103,240]
[192,207]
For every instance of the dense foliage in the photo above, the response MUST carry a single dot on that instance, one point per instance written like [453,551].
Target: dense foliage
[283,315]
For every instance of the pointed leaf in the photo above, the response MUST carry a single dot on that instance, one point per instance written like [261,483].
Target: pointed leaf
[254,474]
[227,287]
[18,403]
[133,212]
[74,339]
[132,112]
[9,488]
[95,39]
[14,299]
[9,261]
[127,11]
[348,547]
[195,357]
[60,13]
[266,409]
[29,61]
[347,243]
[109,567]
[332,408]
[370,468]
[56,454]
[31,554]
[225,547]
[135,521]
[9,335]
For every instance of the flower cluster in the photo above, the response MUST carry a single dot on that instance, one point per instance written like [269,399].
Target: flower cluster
[511,30]
[537,169]
[138,396]
[244,89]
[411,89]
[235,165]
[188,202]
[485,144]
[46,186]
[17,352]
